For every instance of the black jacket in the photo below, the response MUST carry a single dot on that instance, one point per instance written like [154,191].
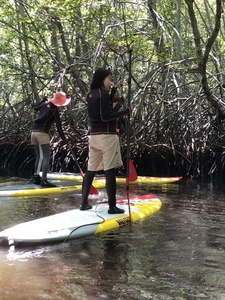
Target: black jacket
[102,119]
[48,115]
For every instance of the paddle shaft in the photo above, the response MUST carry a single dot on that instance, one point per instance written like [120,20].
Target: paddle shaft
[128,130]
[75,159]
[93,190]
[128,117]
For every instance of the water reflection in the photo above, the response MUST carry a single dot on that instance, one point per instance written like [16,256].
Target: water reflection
[178,253]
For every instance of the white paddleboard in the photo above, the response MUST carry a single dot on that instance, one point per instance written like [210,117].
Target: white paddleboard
[75,223]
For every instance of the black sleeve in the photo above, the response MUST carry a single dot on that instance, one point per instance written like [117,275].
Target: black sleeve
[106,115]
[38,105]
[59,126]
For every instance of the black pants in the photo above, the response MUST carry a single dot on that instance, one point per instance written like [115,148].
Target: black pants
[42,160]
[110,186]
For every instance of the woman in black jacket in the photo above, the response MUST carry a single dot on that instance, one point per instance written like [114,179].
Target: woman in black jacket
[40,134]
[104,145]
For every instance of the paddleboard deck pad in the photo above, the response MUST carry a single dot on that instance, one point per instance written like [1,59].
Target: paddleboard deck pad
[74,224]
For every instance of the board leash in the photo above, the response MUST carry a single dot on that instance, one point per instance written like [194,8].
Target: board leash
[103,220]
[29,181]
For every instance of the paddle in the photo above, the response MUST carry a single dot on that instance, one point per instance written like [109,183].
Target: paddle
[93,190]
[128,134]
[132,171]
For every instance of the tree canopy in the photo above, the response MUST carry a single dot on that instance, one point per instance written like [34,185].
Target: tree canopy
[177,85]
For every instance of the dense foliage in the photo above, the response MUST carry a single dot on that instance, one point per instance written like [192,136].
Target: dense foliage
[177,86]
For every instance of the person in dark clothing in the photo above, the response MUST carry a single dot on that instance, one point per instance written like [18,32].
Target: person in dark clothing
[104,146]
[40,134]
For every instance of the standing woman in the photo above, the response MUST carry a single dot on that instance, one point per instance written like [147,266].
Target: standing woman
[104,146]
[40,134]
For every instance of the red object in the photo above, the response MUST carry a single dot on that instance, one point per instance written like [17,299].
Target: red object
[132,171]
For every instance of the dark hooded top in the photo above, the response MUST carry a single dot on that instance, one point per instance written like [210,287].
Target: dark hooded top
[47,116]
[102,118]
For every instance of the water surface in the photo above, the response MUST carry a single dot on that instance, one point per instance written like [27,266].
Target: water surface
[177,253]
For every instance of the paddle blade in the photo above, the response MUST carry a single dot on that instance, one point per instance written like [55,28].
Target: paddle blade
[132,171]
[93,191]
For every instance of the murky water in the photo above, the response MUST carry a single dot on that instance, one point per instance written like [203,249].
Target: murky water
[178,253]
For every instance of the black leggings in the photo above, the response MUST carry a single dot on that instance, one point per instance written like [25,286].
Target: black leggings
[110,186]
[42,160]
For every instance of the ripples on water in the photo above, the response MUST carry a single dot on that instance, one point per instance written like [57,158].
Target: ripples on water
[177,253]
